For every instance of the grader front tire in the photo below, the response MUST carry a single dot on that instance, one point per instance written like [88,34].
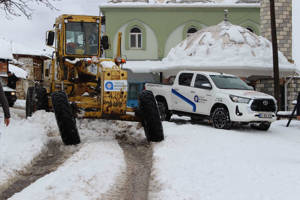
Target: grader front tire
[150,117]
[65,119]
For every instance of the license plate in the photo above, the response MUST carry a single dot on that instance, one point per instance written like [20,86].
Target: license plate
[263,115]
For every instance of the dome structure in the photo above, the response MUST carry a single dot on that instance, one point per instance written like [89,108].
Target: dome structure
[226,48]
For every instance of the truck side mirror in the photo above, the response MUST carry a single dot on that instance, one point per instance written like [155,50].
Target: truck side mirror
[104,42]
[50,38]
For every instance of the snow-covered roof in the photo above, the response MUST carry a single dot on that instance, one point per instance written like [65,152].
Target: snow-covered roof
[25,50]
[181,3]
[20,73]
[5,49]
[8,48]
[226,47]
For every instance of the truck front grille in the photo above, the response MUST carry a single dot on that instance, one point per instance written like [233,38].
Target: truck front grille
[263,105]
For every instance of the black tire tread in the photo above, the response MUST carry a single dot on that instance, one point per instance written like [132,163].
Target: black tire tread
[228,123]
[29,102]
[65,119]
[150,117]
[168,114]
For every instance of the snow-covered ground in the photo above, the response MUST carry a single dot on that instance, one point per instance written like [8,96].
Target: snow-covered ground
[195,161]
[199,162]
[87,174]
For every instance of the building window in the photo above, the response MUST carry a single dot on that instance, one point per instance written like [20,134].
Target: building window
[135,38]
[190,31]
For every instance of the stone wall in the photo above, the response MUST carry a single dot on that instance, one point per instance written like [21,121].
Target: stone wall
[293,88]
[283,10]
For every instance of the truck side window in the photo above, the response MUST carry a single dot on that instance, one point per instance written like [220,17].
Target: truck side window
[202,82]
[185,79]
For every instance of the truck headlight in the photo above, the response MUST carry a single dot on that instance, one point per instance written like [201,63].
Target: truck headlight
[238,99]
[13,93]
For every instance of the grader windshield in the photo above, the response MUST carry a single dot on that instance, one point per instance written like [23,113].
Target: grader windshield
[82,38]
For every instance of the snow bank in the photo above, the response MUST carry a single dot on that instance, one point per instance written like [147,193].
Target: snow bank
[200,162]
[21,141]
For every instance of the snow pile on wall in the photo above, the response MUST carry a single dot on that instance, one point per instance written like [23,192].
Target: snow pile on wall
[224,46]
[5,50]
[20,73]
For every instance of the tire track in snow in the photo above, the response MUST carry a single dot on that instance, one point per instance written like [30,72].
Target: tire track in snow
[133,184]
[48,161]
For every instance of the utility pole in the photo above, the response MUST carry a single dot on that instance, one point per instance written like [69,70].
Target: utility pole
[275,53]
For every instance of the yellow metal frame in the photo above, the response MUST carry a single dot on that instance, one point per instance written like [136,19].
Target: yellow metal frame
[107,104]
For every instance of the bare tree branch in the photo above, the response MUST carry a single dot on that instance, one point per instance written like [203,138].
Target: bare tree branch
[22,7]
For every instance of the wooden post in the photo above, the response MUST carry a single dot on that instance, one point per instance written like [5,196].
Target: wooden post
[275,54]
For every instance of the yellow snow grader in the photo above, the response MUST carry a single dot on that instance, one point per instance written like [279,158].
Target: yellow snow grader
[78,82]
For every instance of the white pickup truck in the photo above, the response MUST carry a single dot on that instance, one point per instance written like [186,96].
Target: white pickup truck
[223,98]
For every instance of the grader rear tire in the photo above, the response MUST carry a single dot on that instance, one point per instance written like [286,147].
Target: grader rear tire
[65,119]
[150,117]
[36,99]
[42,98]
[29,102]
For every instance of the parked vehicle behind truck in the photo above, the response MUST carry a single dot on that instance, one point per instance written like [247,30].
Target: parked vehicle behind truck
[223,98]
[77,84]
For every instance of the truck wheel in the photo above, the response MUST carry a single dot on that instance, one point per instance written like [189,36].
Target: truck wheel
[149,114]
[64,117]
[30,106]
[220,118]
[165,114]
[263,126]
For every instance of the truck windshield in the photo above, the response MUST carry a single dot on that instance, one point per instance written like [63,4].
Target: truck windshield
[82,38]
[229,82]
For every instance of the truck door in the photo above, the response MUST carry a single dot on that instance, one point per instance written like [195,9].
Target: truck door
[203,94]
[180,95]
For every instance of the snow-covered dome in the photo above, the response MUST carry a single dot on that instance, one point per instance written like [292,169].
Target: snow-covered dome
[226,46]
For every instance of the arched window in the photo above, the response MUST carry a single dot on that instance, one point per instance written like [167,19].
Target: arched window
[250,29]
[190,31]
[135,38]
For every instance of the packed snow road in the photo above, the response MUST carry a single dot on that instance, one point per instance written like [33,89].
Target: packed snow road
[125,164]
[195,161]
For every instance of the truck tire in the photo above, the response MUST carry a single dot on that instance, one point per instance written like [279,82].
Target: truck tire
[30,107]
[150,117]
[65,119]
[165,114]
[221,119]
[263,126]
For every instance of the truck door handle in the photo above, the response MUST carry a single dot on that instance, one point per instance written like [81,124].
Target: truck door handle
[193,92]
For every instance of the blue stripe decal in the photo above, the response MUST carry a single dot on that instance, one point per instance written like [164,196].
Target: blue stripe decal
[185,99]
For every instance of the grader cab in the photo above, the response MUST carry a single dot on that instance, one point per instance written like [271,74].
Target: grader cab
[80,85]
